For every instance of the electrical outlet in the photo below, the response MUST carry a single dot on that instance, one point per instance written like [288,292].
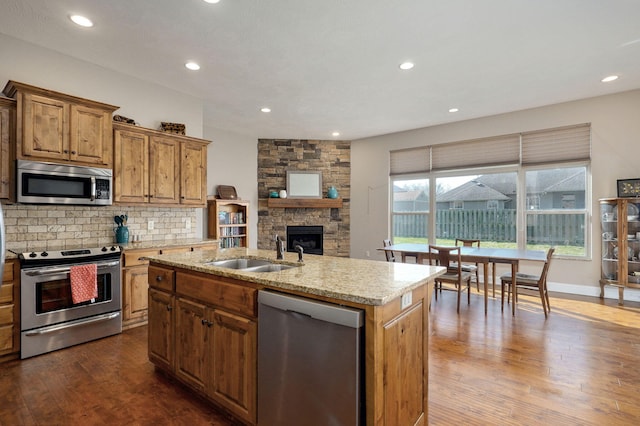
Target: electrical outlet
[150,225]
[367,253]
[406,300]
[187,223]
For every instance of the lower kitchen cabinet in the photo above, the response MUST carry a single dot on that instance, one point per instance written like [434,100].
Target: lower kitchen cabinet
[214,328]
[161,330]
[10,311]
[135,286]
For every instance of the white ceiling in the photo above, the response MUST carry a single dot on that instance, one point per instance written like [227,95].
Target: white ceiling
[325,65]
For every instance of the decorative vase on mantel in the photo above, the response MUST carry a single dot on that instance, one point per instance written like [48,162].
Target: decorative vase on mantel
[332,192]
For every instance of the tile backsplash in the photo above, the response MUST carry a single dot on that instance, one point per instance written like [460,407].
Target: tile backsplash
[32,226]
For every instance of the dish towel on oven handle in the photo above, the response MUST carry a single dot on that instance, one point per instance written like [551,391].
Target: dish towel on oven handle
[84,283]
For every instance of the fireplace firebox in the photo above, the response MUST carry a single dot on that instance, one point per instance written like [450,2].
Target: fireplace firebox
[307,237]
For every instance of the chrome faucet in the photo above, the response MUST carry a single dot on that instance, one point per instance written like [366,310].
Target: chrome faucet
[279,248]
[300,250]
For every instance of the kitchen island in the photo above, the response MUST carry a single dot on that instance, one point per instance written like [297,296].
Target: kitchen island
[203,323]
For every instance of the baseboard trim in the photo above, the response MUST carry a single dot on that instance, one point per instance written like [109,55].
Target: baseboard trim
[610,292]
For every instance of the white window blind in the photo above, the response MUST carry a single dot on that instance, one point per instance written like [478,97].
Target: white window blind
[407,161]
[572,143]
[493,151]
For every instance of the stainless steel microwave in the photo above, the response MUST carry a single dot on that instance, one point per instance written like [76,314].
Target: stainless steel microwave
[51,183]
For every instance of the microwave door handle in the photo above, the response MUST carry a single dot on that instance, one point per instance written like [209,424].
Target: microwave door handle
[93,188]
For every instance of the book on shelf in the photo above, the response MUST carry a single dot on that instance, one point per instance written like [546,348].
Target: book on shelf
[231,218]
[231,242]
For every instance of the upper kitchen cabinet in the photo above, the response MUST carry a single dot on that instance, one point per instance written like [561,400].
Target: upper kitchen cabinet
[153,167]
[61,128]
[7,135]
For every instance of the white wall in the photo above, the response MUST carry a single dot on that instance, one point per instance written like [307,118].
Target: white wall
[233,160]
[615,124]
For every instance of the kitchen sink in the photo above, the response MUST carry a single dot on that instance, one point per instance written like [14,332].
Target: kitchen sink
[250,265]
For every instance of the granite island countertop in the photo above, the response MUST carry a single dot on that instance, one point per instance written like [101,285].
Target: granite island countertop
[368,282]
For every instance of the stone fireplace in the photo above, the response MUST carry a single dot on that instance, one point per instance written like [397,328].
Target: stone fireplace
[333,159]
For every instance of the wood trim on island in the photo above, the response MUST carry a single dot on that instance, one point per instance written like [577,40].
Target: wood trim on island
[301,203]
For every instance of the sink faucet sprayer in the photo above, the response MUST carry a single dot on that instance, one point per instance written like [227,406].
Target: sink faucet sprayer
[279,248]
[300,250]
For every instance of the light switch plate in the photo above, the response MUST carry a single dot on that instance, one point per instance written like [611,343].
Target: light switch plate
[406,300]
[150,225]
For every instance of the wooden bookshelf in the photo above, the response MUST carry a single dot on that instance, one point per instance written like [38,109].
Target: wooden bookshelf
[228,222]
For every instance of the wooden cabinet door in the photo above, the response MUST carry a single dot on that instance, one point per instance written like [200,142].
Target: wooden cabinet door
[191,331]
[131,167]
[90,136]
[10,309]
[405,378]
[193,174]
[233,363]
[45,128]
[135,301]
[161,328]
[164,170]
[7,133]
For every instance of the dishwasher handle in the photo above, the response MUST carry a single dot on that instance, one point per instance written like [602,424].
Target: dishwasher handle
[327,312]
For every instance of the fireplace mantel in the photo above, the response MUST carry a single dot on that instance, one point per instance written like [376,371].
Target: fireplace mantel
[301,203]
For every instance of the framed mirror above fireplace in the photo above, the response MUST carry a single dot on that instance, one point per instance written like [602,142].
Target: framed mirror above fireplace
[304,184]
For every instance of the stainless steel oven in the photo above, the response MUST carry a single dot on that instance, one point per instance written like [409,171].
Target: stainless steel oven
[49,319]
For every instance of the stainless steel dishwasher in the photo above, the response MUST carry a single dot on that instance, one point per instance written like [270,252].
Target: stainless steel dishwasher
[310,361]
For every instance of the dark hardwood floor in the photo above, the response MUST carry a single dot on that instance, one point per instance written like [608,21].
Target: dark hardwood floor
[579,367]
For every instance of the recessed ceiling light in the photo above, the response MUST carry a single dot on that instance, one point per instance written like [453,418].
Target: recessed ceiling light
[609,78]
[212,1]
[334,134]
[192,66]
[453,110]
[406,65]
[81,20]
[265,109]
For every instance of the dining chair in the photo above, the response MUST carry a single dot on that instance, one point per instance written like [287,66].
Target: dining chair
[449,257]
[390,256]
[467,267]
[530,282]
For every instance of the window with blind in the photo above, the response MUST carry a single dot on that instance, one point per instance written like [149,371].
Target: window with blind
[486,188]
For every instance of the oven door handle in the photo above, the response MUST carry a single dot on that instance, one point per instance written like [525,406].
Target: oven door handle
[60,269]
[76,323]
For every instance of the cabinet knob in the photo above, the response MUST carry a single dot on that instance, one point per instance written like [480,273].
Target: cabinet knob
[73,152]
[169,307]
[159,278]
[65,151]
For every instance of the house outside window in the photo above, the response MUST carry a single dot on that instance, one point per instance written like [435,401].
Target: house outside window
[492,205]
[457,205]
[410,210]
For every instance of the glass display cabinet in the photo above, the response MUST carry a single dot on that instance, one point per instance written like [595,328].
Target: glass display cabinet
[620,224]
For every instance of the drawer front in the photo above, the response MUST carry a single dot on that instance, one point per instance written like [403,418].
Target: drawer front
[218,292]
[207,246]
[6,314]
[161,278]
[9,272]
[6,338]
[133,257]
[6,293]
[174,250]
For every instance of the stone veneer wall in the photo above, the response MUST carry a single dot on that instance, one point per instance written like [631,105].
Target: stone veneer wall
[333,159]
[33,227]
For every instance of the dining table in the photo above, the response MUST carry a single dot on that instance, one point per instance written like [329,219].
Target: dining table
[484,255]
